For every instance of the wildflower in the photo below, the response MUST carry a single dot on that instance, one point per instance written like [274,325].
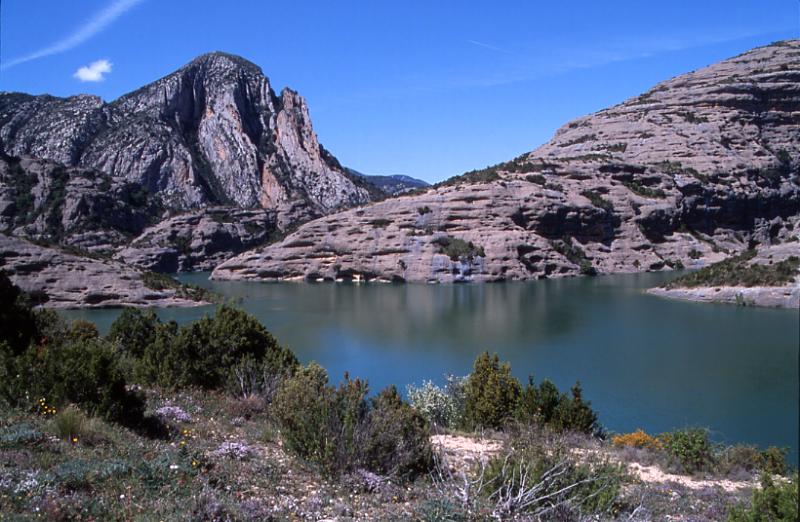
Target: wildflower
[74,440]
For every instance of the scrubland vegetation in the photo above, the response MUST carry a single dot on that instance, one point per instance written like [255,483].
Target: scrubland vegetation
[738,271]
[215,420]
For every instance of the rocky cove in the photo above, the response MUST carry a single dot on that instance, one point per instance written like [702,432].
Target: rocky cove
[646,362]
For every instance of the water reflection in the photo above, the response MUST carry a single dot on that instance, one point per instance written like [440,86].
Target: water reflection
[643,361]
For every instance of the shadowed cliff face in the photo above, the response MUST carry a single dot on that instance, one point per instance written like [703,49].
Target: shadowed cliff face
[699,167]
[213,132]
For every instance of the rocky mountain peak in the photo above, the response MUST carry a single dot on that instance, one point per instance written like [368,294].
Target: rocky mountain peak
[212,132]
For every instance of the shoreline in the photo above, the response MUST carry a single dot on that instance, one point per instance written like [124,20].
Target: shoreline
[761,296]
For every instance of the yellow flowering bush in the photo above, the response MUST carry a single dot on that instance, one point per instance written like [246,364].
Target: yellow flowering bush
[637,439]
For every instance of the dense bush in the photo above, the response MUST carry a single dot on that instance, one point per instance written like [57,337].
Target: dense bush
[690,448]
[17,322]
[340,430]
[133,331]
[60,364]
[398,437]
[743,458]
[456,248]
[491,393]
[773,503]
[302,406]
[204,353]
[545,405]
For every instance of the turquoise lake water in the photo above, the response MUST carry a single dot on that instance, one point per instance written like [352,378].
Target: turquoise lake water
[643,361]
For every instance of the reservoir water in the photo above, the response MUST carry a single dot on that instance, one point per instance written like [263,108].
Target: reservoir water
[643,361]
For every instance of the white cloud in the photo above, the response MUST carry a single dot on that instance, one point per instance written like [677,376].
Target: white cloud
[94,71]
[94,25]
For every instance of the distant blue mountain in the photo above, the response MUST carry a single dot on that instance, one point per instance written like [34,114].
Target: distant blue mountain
[391,185]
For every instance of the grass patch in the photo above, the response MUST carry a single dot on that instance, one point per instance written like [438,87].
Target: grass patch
[575,255]
[160,282]
[456,248]
[647,192]
[597,200]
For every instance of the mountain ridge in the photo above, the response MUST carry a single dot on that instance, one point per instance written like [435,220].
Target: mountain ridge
[698,167]
[212,132]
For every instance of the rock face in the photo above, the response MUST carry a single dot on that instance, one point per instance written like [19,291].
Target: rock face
[71,281]
[198,240]
[212,133]
[699,167]
[83,208]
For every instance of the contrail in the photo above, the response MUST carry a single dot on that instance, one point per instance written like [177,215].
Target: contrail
[489,46]
[97,23]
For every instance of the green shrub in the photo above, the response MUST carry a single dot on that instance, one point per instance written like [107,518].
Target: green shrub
[398,441]
[86,374]
[204,352]
[547,406]
[339,430]
[133,331]
[456,248]
[773,460]
[690,448]
[597,200]
[772,503]
[750,459]
[491,393]
[302,408]
[81,331]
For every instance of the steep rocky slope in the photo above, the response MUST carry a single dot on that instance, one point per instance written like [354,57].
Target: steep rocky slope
[63,280]
[84,208]
[214,132]
[699,167]
[199,240]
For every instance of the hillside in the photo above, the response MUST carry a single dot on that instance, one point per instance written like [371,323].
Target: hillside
[698,168]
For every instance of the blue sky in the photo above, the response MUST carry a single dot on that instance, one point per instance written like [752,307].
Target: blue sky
[425,88]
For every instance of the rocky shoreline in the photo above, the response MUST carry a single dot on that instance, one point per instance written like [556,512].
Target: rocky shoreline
[769,297]
[57,279]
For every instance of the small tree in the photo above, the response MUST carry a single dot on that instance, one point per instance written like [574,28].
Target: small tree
[491,393]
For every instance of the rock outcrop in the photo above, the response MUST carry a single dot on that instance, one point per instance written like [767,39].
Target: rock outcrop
[700,167]
[212,133]
[63,280]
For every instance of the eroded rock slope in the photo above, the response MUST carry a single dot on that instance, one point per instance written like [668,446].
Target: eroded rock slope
[698,168]
[58,279]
